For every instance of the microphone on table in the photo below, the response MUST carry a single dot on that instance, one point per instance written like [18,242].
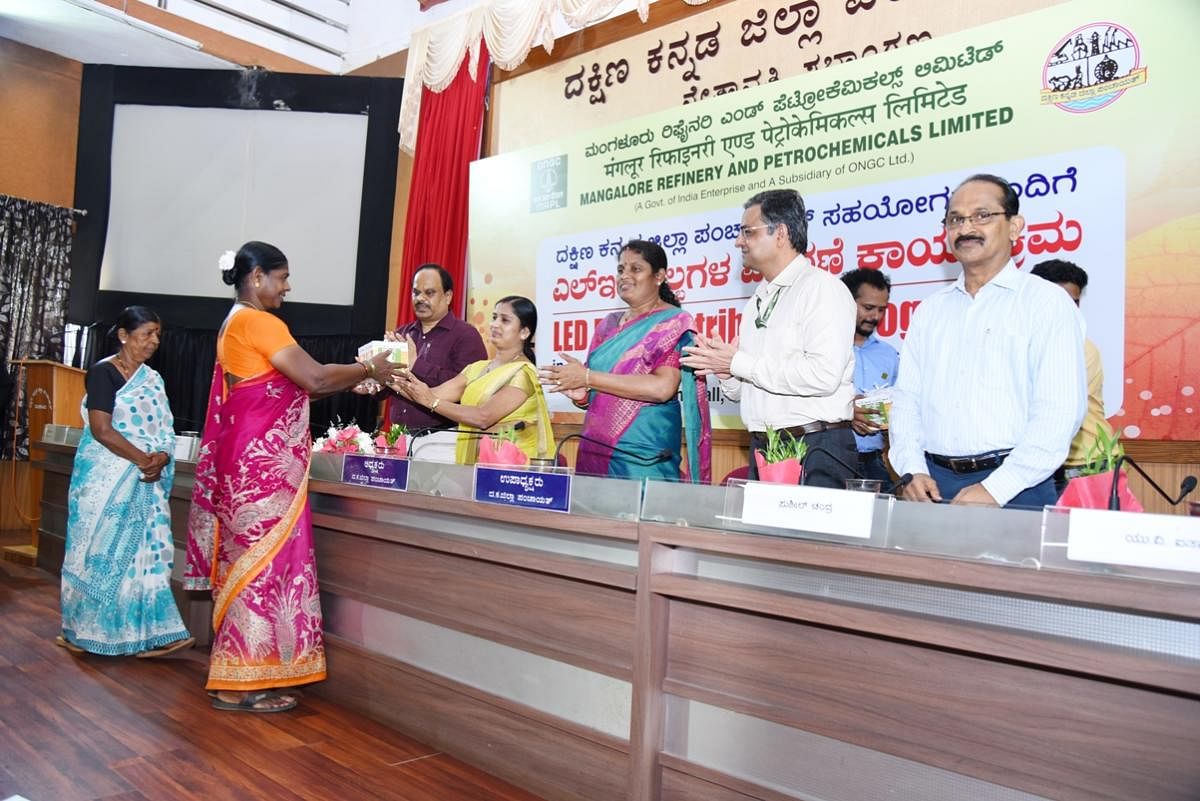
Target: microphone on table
[656,458]
[892,489]
[473,432]
[817,449]
[1114,501]
[420,432]
[900,484]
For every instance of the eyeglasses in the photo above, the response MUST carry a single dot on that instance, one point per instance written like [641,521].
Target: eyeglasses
[978,218]
[746,228]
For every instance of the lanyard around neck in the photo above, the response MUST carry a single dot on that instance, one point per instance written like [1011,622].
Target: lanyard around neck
[764,315]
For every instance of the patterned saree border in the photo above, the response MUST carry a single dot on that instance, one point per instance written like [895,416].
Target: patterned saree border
[265,677]
[247,568]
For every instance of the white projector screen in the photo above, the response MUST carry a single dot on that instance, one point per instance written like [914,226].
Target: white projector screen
[190,183]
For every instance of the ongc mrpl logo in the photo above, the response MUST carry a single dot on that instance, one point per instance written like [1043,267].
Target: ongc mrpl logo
[1091,67]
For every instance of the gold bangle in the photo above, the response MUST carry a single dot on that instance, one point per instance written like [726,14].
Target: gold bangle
[367,371]
[436,401]
[587,379]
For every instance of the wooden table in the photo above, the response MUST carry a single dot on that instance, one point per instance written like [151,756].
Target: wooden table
[608,655]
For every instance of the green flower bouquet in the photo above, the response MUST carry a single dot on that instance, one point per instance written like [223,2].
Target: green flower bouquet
[1090,490]
[392,440]
[782,461]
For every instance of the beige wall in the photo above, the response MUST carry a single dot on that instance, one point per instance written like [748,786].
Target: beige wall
[39,103]
[399,212]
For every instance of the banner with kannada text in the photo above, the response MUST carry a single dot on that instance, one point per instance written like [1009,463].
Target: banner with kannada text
[1084,107]
[718,50]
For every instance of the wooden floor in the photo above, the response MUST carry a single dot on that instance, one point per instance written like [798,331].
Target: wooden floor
[124,729]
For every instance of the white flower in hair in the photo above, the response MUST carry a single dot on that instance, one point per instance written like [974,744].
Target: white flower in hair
[225,263]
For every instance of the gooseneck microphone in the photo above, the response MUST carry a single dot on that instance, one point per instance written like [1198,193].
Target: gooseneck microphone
[644,459]
[1114,500]
[892,489]
[817,449]
[900,484]
[471,432]
[420,432]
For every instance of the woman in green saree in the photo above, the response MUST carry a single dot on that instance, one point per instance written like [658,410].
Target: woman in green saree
[639,400]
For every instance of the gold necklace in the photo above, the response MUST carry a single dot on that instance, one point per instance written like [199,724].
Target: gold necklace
[495,364]
[250,305]
[118,362]
[631,312]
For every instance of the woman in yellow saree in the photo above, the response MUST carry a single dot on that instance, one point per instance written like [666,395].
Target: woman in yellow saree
[496,394]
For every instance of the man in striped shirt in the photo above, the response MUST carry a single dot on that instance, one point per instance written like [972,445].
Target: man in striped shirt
[991,387]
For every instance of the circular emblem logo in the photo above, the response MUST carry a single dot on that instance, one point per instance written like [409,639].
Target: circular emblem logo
[1091,67]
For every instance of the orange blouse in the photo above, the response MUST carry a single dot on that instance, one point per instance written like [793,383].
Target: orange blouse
[251,338]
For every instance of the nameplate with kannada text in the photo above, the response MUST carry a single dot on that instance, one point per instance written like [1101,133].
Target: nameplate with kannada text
[1136,539]
[381,472]
[511,486]
[816,509]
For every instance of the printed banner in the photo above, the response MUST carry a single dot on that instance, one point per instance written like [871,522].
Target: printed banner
[730,48]
[895,228]
[1082,107]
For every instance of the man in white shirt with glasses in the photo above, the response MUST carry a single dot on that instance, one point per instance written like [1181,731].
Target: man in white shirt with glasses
[792,364]
[991,387]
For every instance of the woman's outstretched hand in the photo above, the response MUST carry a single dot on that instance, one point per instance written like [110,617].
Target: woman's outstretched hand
[383,369]
[576,396]
[573,375]
[413,388]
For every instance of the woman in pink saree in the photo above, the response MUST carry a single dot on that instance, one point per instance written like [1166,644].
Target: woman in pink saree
[249,529]
[640,402]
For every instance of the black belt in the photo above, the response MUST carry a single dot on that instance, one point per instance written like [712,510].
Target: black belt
[970,464]
[1065,473]
[815,428]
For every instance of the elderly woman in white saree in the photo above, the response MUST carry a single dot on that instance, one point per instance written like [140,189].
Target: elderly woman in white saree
[116,576]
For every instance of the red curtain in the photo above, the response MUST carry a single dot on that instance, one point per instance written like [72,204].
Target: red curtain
[435,228]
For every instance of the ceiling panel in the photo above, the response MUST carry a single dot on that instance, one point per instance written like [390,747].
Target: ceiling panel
[96,34]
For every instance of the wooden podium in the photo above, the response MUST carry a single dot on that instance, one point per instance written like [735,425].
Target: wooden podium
[53,392]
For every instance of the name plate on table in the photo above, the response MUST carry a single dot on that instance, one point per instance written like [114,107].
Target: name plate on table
[381,472]
[818,509]
[509,486]
[1166,542]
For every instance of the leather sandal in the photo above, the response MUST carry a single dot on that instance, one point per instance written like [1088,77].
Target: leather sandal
[63,642]
[250,701]
[169,648]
